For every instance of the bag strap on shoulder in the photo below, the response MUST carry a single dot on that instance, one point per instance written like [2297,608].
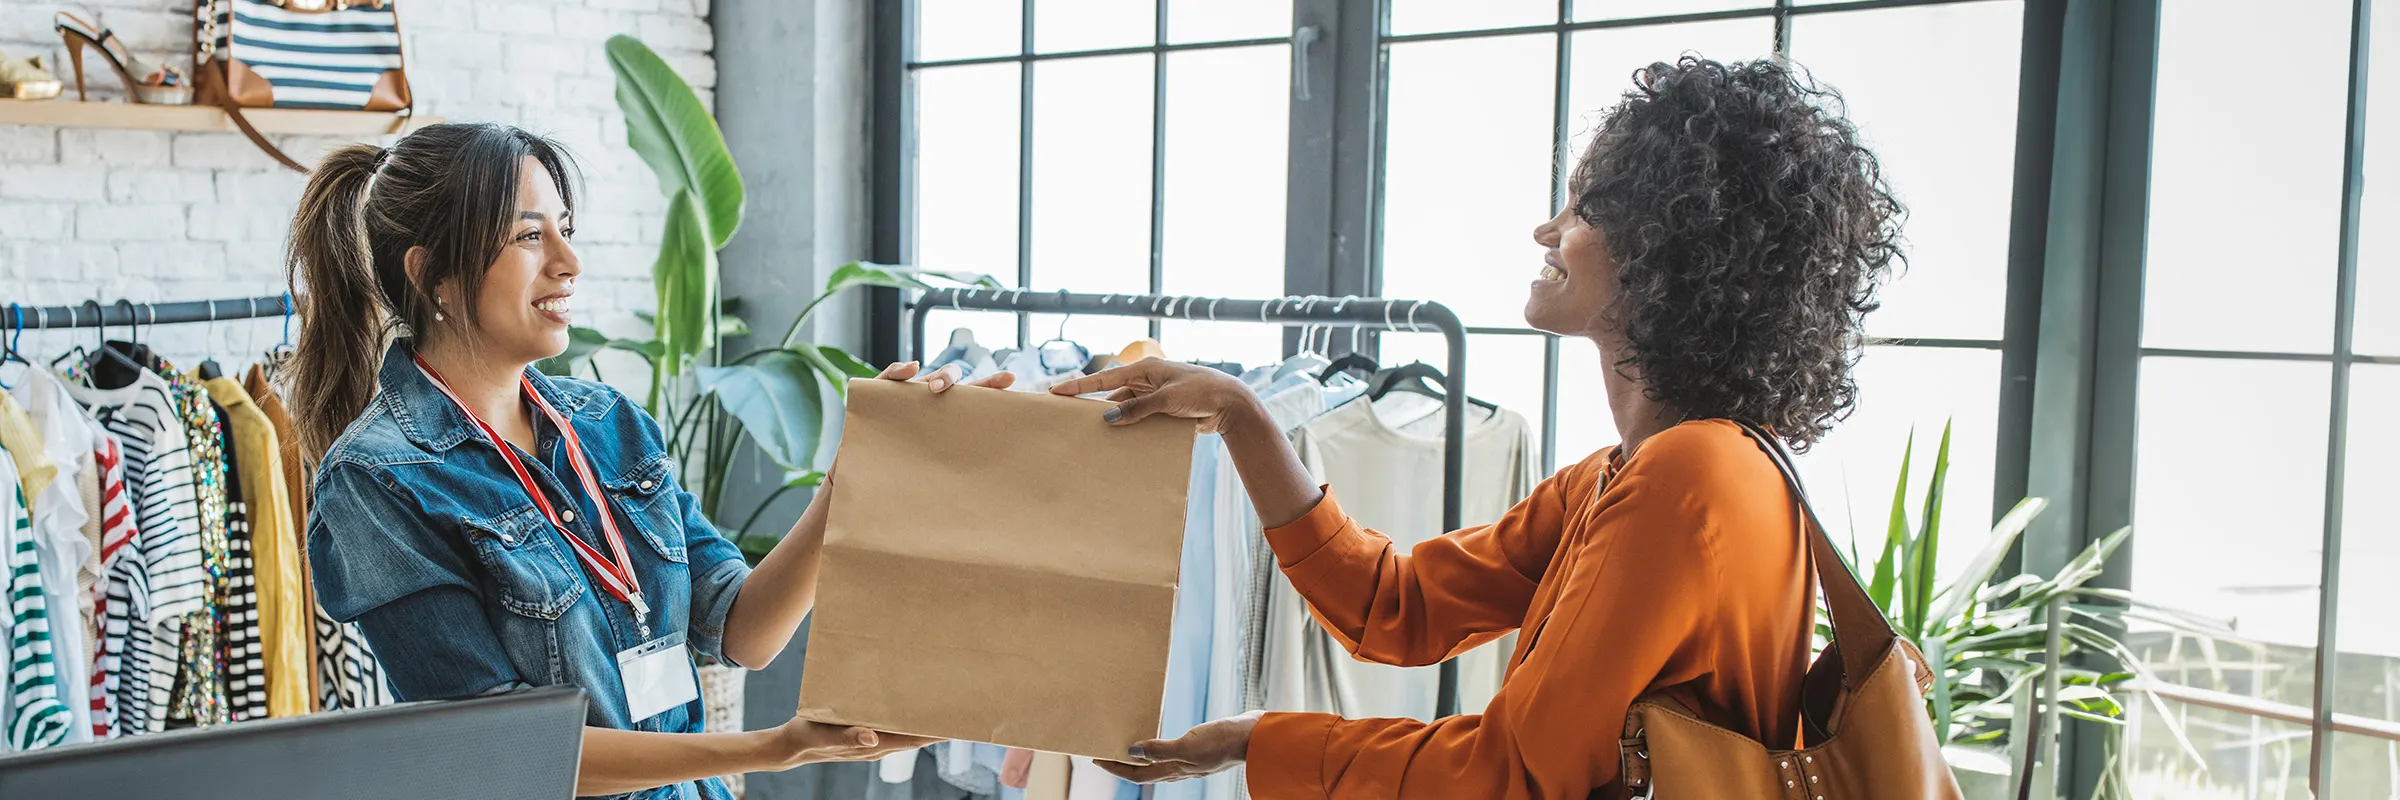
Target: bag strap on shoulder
[1860,631]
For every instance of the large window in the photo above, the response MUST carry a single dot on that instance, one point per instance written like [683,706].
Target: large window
[1473,122]
[2144,321]
[2241,359]
[1095,146]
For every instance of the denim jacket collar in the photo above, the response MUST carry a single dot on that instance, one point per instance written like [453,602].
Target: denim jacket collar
[430,419]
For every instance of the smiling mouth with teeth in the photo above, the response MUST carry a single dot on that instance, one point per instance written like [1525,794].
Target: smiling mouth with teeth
[1551,272]
[556,305]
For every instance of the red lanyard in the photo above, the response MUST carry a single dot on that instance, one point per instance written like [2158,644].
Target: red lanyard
[615,575]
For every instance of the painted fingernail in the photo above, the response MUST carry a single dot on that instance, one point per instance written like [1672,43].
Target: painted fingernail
[1111,416]
[1137,751]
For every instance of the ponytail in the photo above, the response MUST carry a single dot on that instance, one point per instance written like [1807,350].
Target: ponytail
[448,190]
[342,322]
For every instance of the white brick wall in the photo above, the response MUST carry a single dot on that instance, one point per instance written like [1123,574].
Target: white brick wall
[148,215]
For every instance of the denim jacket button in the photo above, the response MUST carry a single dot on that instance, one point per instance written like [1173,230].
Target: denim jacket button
[567,515]
[645,485]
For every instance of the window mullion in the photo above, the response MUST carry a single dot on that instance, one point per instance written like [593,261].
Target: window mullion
[2345,311]
[1025,167]
[1330,184]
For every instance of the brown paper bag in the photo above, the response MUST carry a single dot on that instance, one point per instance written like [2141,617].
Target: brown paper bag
[999,567]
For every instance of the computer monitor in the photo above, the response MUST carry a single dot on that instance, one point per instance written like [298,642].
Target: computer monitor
[522,744]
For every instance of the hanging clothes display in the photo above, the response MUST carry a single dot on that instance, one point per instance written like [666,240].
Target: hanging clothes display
[1386,457]
[238,650]
[290,570]
[1207,665]
[90,480]
[282,620]
[59,518]
[199,694]
[120,555]
[150,552]
[153,594]
[33,715]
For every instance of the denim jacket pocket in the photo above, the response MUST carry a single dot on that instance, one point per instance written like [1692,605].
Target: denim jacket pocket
[648,495]
[534,578]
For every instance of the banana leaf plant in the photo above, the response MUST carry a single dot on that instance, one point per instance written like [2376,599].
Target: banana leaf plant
[1991,639]
[775,398]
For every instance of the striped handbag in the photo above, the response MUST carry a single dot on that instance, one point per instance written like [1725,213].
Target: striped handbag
[309,54]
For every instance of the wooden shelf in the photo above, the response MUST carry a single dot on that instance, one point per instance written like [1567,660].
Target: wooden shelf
[70,114]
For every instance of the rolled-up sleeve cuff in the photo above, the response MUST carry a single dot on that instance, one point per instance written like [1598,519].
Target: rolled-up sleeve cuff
[712,601]
[1321,543]
[1286,760]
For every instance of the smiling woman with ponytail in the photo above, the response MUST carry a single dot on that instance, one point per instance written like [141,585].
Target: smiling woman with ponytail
[490,527]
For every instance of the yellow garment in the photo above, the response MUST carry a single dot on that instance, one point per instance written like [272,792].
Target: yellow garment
[283,613]
[295,514]
[24,445]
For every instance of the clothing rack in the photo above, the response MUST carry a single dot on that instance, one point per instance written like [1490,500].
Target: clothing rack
[92,314]
[1352,312]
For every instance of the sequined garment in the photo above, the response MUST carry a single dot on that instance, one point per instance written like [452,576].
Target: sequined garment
[200,678]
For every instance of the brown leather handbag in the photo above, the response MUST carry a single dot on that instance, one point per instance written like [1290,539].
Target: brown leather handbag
[1863,723]
[342,55]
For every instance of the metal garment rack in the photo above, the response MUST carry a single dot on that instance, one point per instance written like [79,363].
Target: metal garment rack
[92,314]
[1351,312]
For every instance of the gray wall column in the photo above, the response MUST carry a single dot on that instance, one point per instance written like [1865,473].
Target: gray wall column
[792,100]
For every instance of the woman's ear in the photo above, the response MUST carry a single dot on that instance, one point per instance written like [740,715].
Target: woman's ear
[415,261]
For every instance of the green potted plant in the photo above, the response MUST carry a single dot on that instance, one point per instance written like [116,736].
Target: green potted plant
[2010,649]
[773,398]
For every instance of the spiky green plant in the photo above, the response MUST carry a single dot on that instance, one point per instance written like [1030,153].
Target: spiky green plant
[1990,640]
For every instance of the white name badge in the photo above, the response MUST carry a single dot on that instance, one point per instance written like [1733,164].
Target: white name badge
[658,676]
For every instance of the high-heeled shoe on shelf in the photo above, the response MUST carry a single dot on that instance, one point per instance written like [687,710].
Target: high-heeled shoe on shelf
[145,80]
[26,79]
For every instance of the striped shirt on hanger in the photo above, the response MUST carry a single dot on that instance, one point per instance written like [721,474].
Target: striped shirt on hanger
[152,596]
[117,551]
[245,660]
[36,718]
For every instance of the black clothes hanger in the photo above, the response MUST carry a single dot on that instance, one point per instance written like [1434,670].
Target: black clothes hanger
[1414,378]
[1349,362]
[8,348]
[117,365]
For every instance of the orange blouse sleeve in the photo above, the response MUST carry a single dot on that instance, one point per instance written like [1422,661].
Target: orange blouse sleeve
[1448,595]
[1634,600]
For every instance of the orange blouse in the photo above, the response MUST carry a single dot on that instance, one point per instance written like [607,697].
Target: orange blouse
[1683,568]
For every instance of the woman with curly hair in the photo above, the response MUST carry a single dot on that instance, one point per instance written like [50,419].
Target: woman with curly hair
[1723,247]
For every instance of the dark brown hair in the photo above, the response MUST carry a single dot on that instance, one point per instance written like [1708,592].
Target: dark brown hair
[451,189]
[1750,227]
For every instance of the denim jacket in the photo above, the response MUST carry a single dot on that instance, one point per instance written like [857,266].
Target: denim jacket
[421,533]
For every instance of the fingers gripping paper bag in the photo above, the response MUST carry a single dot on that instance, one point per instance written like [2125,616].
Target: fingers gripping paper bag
[999,567]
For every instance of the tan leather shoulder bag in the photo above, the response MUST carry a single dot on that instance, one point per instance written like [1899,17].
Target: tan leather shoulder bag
[1863,722]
